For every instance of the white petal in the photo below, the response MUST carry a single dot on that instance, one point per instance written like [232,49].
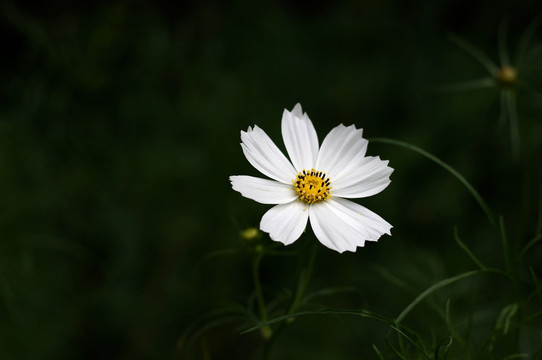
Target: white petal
[265,156]
[343,225]
[330,230]
[361,218]
[342,149]
[300,138]
[368,178]
[263,191]
[285,222]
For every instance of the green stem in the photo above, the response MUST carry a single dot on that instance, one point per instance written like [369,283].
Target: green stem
[468,251]
[304,278]
[505,246]
[539,220]
[301,287]
[511,109]
[266,331]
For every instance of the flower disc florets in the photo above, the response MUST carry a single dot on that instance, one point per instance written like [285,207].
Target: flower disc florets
[312,186]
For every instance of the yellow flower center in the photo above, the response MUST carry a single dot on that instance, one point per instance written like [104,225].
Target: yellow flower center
[312,186]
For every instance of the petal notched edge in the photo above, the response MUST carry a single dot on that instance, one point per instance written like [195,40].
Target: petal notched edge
[342,149]
[300,138]
[329,230]
[361,218]
[370,177]
[297,111]
[343,225]
[265,156]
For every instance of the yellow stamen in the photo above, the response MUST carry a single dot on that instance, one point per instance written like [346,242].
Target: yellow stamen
[312,186]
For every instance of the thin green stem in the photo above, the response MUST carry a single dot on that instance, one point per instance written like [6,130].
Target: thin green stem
[443,283]
[258,286]
[477,54]
[475,84]
[539,220]
[505,245]
[301,287]
[529,245]
[517,356]
[403,335]
[525,39]
[431,290]
[538,288]
[447,167]
[451,329]
[377,351]
[360,313]
[503,113]
[468,251]
[533,317]
[304,278]
[511,109]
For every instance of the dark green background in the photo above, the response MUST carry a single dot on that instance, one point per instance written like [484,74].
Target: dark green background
[119,127]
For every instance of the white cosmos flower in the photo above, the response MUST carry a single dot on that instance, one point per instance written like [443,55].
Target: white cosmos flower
[316,184]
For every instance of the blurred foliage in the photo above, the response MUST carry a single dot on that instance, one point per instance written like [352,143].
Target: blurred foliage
[119,127]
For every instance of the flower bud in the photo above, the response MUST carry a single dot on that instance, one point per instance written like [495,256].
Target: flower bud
[507,76]
[250,234]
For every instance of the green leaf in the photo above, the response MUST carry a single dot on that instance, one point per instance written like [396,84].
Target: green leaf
[329,292]
[382,271]
[505,244]
[447,167]
[517,356]
[475,84]
[229,315]
[533,317]
[537,287]
[525,39]
[529,245]
[467,250]
[505,317]
[441,351]
[539,220]
[220,253]
[476,53]
[508,97]
[378,352]
[451,329]
[360,313]
[395,351]
[418,343]
[433,288]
